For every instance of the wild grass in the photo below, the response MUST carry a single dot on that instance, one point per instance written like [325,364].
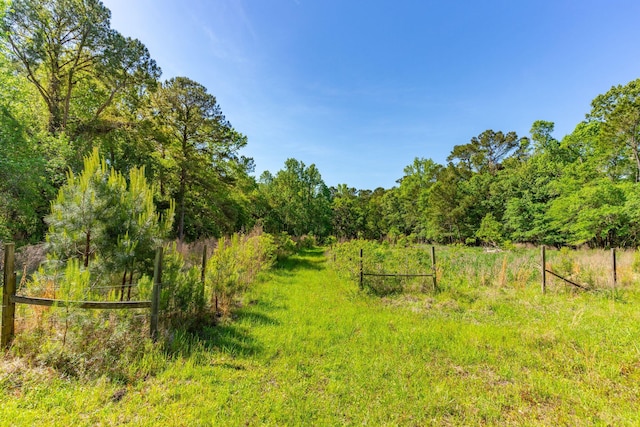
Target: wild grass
[308,348]
[463,267]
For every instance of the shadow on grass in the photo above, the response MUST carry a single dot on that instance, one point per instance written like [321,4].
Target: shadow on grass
[255,313]
[306,259]
[232,337]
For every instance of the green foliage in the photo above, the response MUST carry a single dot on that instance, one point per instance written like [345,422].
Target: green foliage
[383,258]
[199,156]
[234,266]
[285,246]
[182,300]
[347,215]
[80,74]
[592,214]
[23,176]
[486,151]
[299,199]
[75,282]
[307,242]
[100,216]
[619,112]
[490,230]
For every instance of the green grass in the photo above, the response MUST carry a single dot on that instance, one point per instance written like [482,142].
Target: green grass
[307,348]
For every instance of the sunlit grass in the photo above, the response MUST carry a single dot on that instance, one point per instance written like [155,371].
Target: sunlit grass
[308,348]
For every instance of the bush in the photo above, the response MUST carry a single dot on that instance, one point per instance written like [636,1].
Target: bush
[284,245]
[382,258]
[88,344]
[306,242]
[234,265]
[182,299]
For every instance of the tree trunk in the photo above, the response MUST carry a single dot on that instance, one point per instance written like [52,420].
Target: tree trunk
[182,208]
[87,248]
[183,183]
[124,283]
[130,284]
[636,156]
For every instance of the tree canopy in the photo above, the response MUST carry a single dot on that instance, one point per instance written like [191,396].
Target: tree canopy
[72,88]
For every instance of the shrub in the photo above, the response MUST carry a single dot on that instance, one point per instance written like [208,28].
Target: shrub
[234,265]
[306,242]
[182,299]
[284,245]
[382,258]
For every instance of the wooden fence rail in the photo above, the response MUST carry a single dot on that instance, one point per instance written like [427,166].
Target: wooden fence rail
[10,299]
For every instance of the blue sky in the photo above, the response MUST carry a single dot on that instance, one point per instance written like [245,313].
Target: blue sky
[361,88]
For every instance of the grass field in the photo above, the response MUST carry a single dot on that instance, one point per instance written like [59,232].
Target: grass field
[308,348]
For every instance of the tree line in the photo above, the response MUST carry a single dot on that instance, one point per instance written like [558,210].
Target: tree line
[72,86]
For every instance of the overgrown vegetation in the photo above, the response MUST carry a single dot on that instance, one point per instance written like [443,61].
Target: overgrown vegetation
[104,231]
[97,154]
[88,344]
[465,267]
[308,348]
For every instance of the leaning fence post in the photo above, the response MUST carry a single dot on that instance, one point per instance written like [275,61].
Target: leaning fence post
[433,267]
[615,273]
[8,306]
[361,271]
[155,297]
[543,269]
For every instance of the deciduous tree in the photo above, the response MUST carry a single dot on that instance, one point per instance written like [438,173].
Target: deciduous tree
[618,111]
[78,64]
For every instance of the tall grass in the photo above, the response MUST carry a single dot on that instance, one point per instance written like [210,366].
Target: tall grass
[308,348]
[459,267]
[88,344]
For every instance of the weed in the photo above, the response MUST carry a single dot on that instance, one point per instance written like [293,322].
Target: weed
[308,348]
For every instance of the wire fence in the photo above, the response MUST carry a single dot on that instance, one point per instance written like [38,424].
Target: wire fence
[39,312]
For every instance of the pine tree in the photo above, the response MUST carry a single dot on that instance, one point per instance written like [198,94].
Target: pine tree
[100,216]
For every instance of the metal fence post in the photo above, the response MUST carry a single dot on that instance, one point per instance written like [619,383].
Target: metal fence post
[544,269]
[361,272]
[615,272]
[433,268]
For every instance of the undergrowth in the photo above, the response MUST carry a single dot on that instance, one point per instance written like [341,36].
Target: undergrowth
[306,347]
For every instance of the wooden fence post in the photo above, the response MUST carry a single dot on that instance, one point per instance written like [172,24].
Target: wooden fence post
[8,306]
[155,297]
[615,273]
[361,271]
[433,267]
[544,269]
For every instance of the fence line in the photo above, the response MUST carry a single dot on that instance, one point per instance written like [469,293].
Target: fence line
[544,270]
[432,274]
[10,299]
[104,305]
